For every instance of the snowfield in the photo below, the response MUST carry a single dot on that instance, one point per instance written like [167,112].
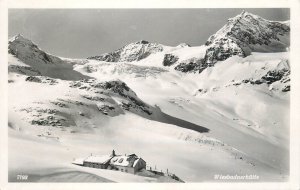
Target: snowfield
[241,140]
[231,118]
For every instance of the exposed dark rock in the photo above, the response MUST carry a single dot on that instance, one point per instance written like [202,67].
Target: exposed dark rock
[115,86]
[49,111]
[286,88]
[187,67]
[258,82]
[75,84]
[276,75]
[203,91]
[60,104]
[237,84]
[41,79]
[245,81]
[220,53]
[129,106]
[169,59]
[94,98]
[49,121]
[105,109]
[33,79]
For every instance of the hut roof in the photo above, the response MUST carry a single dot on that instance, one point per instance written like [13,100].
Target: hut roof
[98,159]
[78,161]
[128,161]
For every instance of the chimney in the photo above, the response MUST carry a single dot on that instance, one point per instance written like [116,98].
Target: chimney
[113,153]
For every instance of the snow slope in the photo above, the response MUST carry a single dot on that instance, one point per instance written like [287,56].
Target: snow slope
[235,89]
[233,122]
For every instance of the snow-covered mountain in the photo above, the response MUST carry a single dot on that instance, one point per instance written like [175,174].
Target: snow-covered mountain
[131,52]
[240,36]
[37,61]
[244,34]
[29,52]
[158,101]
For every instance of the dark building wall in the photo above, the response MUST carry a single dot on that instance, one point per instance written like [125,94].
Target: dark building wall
[140,165]
[95,165]
[125,169]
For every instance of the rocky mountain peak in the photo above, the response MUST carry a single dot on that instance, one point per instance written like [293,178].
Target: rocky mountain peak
[131,52]
[25,50]
[246,33]
[142,42]
[20,39]
[243,15]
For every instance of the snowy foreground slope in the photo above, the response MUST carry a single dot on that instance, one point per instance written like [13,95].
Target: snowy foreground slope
[232,118]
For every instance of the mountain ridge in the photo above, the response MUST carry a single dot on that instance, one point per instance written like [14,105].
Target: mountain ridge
[244,34]
[131,52]
[38,62]
[240,36]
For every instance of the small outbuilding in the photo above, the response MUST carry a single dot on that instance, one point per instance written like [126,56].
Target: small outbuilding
[101,162]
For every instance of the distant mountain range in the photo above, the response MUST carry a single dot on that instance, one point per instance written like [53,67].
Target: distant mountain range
[240,36]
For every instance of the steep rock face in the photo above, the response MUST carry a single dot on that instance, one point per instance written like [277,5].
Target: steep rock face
[190,65]
[169,59]
[222,50]
[131,52]
[187,67]
[246,33]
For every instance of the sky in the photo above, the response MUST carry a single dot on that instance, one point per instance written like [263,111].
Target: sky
[80,33]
